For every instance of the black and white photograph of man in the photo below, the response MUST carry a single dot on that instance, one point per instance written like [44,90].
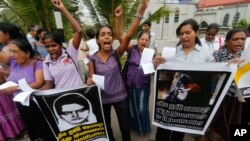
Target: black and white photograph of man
[72,110]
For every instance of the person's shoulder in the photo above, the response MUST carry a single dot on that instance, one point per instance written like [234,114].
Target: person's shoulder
[39,61]
[219,53]
[70,48]
[202,39]
[200,47]
[93,56]
[28,35]
[152,33]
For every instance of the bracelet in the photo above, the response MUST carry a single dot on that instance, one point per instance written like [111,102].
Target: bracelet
[139,16]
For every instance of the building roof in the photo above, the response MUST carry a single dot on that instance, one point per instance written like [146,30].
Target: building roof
[213,3]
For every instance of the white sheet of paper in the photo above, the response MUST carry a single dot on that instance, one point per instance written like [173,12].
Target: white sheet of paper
[99,80]
[8,84]
[24,97]
[245,54]
[147,56]
[24,86]
[148,68]
[169,53]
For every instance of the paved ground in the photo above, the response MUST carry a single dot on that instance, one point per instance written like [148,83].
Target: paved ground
[116,129]
[150,137]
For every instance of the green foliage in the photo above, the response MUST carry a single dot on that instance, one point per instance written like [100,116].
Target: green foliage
[26,12]
[242,24]
[41,12]
[29,12]
[102,12]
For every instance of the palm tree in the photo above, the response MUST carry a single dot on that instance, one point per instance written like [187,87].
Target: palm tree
[102,11]
[41,12]
[25,12]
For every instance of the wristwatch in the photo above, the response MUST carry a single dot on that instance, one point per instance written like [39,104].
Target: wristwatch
[139,16]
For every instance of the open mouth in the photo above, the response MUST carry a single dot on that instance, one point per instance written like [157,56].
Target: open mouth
[53,55]
[106,43]
[184,41]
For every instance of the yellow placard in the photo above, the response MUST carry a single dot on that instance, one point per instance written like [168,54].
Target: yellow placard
[241,72]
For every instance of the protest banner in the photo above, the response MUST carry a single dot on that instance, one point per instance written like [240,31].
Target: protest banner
[242,77]
[188,95]
[73,114]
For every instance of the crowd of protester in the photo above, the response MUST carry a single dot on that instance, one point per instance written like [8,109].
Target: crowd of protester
[45,63]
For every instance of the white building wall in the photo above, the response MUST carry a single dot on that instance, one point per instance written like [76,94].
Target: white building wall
[165,32]
[217,14]
[247,15]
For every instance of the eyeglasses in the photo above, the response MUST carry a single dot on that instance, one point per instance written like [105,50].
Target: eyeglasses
[15,51]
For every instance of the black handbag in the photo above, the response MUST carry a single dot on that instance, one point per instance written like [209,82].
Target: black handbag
[125,67]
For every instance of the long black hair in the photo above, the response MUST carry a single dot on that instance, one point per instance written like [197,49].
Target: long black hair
[12,30]
[39,31]
[213,26]
[24,45]
[98,32]
[194,26]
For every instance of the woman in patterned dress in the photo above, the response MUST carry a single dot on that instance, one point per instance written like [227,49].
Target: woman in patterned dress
[229,111]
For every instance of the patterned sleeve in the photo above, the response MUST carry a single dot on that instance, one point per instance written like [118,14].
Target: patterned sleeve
[217,56]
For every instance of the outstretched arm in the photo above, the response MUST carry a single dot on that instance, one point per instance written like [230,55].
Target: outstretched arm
[133,27]
[91,72]
[74,24]
[119,22]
